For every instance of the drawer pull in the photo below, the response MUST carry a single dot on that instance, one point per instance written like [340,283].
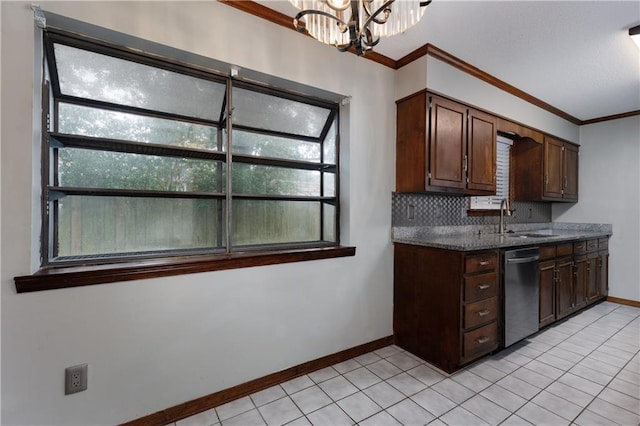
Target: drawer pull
[481,340]
[484,262]
[483,286]
[485,312]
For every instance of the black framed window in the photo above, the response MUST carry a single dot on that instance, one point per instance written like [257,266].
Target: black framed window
[144,157]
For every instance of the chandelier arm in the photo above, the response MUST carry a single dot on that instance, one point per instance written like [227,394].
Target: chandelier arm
[301,28]
[368,40]
[367,9]
[355,33]
[361,39]
[372,17]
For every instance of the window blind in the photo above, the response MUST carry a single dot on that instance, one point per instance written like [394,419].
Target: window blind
[492,202]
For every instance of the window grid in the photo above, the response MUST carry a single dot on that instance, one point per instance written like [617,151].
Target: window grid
[55,141]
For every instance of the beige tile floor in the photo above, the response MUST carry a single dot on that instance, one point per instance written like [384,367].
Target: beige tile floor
[582,371]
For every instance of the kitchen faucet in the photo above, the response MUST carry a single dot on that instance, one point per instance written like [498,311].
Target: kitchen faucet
[504,209]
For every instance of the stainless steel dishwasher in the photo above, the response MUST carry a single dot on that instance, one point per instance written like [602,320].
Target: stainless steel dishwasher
[521,294]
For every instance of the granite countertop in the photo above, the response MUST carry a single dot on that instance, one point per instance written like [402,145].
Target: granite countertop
[467,238]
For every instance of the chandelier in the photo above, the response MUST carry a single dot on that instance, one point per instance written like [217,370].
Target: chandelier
[358,24]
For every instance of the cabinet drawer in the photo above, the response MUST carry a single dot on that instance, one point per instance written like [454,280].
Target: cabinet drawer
[480,312]
[564,250]
[480,341]
[592,245]
[603,243]
[480,262]
[579,247]
[547,252]
[480,287]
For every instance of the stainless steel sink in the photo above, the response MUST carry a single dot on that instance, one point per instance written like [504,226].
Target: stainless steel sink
[533,235]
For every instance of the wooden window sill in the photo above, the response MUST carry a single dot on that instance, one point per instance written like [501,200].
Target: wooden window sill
[50,278]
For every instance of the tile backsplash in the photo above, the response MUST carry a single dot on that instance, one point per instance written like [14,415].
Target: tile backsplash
[450,210]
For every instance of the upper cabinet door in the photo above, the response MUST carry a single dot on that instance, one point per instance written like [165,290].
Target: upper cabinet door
[553,168]
[444,146]
[482,151]
[570,172]
[447,144]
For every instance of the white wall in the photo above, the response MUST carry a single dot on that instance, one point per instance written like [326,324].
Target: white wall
[152,344]
[609,185]
[448,80]
[432,73]
[411,78]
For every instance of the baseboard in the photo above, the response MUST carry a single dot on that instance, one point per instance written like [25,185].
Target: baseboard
[207,402]
[623,301]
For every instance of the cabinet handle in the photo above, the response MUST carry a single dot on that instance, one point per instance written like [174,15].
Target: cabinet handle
[483,286]
[564,185]
[481,340]
[484,262]
[484,313]
[546,180]
[465,163]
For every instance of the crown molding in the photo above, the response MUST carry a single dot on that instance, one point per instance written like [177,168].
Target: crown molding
[611,117]
[476,72]
[283,20]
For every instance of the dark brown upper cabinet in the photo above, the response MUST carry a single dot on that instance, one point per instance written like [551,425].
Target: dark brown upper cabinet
[444,146]
[481,150]
[545,170]
[570,163]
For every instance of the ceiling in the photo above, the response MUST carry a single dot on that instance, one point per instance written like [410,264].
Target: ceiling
[574,55]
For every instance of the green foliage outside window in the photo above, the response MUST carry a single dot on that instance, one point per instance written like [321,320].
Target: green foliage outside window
[177,197]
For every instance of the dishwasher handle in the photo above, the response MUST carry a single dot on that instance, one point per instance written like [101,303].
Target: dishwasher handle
[523,259]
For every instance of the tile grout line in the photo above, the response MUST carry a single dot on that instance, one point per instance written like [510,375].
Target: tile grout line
[403,370]
[530,400]
[585,356]
[619,371]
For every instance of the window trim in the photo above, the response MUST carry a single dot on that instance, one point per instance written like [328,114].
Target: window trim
[52,275]
[50,278]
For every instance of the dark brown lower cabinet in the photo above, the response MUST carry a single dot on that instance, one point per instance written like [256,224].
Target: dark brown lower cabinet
[572,277]
[547,307]
[564,287]
[581,268]
[592,282]
[602,274]
[446,306]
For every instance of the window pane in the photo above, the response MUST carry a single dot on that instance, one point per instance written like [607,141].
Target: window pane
[106,225]
[329,222]
[329,146]
[118,170]
[259,145]
[329,185]
[271,222]
[270,112]
[255,179]
[100,123]
[105,78]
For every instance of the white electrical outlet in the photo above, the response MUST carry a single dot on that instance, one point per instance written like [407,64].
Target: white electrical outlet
[411,211]
[75,379]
